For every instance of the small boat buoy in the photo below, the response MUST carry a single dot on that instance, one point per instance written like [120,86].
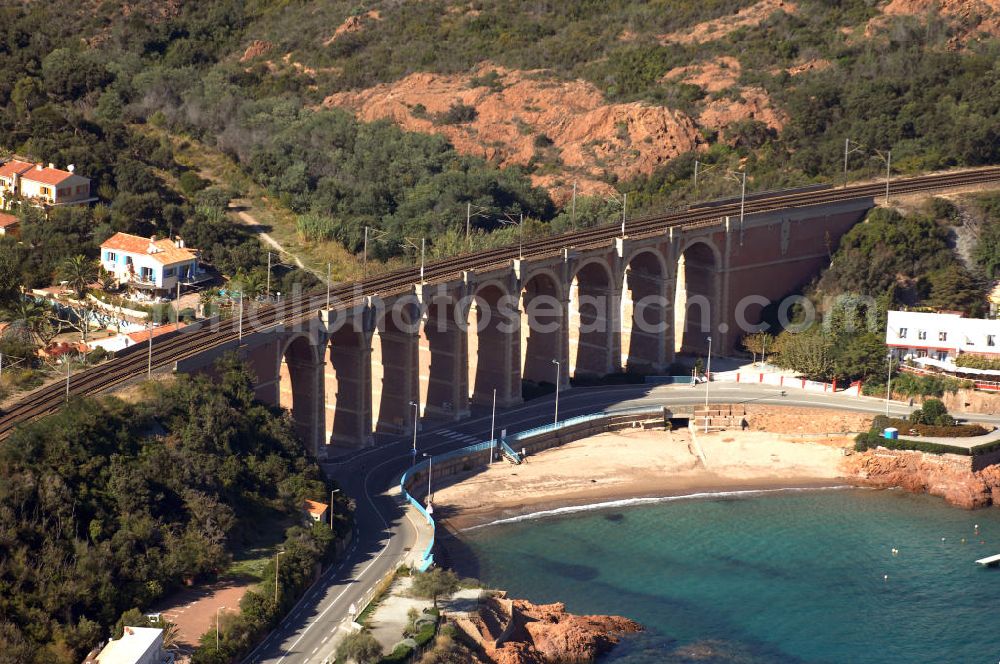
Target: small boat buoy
[895,551]
[885,577]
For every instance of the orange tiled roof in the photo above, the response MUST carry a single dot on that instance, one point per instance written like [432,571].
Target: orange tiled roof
[167,252]
[13,167]
[51,176]
[143,335]
[314,507]
[8,220]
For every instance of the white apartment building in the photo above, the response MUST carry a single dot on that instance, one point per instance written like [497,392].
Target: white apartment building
[940,337]
[148,263]
[42,185]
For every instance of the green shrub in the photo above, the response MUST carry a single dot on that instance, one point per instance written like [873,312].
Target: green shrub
[881,422]
[401,653]
[977,362]
[933,413]
[425,634]
[868,441]
[457,113]
[191,183]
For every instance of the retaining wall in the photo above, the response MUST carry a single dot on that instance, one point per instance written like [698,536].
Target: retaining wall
[444,467]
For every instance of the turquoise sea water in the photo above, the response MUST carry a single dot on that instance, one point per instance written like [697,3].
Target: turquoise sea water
[782,577]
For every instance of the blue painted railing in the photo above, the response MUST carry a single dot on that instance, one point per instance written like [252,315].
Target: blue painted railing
[427,558]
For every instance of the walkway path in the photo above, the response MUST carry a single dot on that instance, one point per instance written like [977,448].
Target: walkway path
[258,228]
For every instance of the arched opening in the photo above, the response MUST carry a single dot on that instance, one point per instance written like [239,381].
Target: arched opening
[394,368]
[695,303]
[347,387]
[442,357]
[645,315]
[492,334]
[541,328]
[300,387]
[592,324]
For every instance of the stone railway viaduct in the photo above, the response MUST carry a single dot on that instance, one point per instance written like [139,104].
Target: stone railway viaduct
[629,306]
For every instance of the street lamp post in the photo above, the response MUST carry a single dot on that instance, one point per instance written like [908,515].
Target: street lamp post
[520,231]
[708,379]
[430,473]
[699,167]
[888,174]
[149,352]
[423,250]
[240,324]
[416,416]
[555,419]
[848,152]
[277,561]
[624,208]
[331,506]
[217,627]
[468,221]
[888,382]
[493,426]
[267,289]
[573,212]
[887,158]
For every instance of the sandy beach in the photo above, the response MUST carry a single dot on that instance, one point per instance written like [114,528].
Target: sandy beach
[637,463]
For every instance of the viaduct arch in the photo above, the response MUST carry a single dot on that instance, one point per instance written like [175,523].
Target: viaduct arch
[631,305]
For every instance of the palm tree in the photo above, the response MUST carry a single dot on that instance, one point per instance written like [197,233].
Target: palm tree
[206,299]
[80,272]
[35,317]
[250,285]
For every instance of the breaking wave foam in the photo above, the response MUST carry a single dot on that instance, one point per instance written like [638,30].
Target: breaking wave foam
[629,502]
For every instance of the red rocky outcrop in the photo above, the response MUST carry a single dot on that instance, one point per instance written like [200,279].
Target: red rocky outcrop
[519,632]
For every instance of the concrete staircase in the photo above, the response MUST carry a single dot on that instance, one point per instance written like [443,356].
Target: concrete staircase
[718,417]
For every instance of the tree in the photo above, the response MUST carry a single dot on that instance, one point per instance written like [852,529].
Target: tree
[932,412]
[954,287]
[435,583]
[36,318]
[758,343]
[808,353]
[360,647]
[80,272]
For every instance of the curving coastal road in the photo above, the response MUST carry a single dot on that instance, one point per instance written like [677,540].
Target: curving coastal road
[386,534]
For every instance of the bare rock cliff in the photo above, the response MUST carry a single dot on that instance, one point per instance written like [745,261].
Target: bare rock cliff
[949,476]
[519,632]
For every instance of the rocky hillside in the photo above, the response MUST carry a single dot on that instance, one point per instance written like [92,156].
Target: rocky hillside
[615,96]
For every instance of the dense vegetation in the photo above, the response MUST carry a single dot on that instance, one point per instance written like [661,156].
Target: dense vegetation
[65,101]
[109,505]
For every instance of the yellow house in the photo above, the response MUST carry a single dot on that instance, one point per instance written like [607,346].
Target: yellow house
[53,186]
[10,180]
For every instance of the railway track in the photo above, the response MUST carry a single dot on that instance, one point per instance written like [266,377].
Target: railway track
[184,344]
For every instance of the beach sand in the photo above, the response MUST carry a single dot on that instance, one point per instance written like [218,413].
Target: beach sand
[637,463]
